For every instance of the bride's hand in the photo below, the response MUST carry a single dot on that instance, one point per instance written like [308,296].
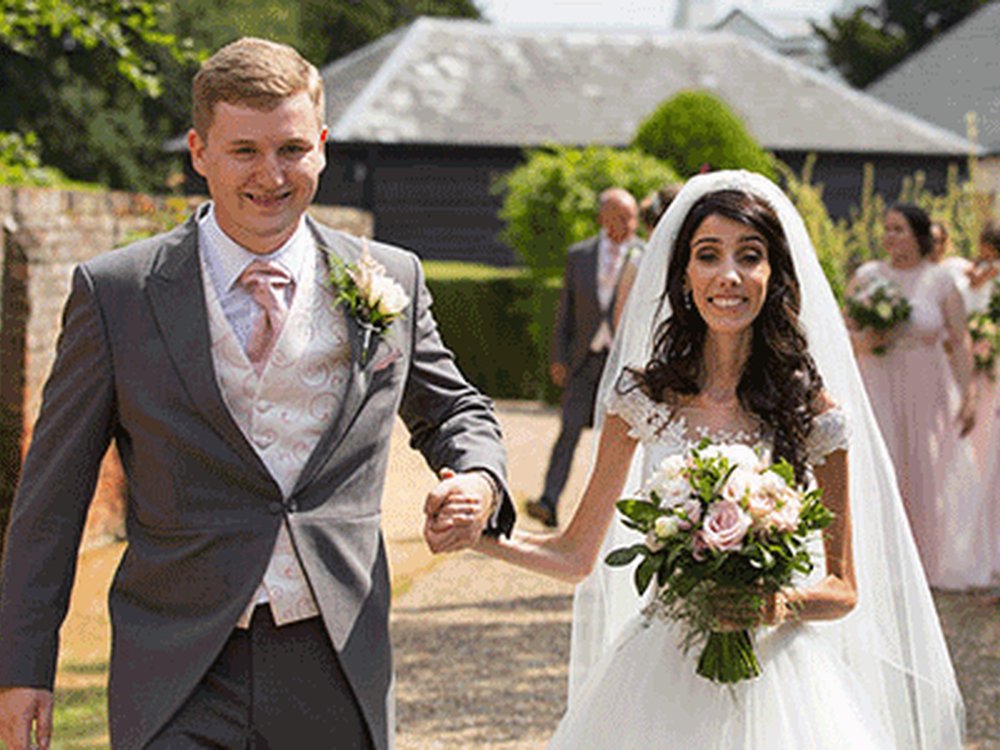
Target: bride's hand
[739,612]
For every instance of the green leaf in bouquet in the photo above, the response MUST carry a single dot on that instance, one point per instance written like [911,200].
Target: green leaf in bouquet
[784,470]
[641,512]
[645,572]
[624,555]
[723,478]
[761,558]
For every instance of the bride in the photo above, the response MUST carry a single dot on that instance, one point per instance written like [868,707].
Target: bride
[731,332]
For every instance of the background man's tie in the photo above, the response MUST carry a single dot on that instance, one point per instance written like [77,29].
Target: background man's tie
[267,284]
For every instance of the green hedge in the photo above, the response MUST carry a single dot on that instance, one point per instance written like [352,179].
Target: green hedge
[499,323]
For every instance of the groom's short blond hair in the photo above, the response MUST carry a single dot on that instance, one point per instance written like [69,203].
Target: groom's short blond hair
[256,73]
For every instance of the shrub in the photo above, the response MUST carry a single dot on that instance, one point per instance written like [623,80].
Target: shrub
[551,200]
[498,323]
[693,129]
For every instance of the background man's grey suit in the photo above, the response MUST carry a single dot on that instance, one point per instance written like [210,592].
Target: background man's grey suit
[134,366]
[577,320]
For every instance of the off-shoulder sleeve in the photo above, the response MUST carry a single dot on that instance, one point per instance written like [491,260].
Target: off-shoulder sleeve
[644,416]
[830,432]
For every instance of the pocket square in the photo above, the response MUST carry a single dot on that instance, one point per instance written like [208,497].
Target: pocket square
[387,360]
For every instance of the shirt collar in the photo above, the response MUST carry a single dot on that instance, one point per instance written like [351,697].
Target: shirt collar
[233,258]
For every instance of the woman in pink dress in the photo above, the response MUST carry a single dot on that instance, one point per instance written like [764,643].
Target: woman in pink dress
[924,399]
[982,281]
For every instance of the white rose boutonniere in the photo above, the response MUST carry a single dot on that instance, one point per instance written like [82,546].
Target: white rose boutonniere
[371,296]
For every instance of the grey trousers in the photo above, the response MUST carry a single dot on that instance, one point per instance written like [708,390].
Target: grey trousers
[271,688]
[577,413]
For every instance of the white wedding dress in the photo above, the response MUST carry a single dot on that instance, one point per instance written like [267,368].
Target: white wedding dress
[644,692]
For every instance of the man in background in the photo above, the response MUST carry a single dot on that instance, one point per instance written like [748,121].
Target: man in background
[583,332]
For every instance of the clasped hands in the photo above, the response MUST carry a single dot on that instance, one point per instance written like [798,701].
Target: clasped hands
[739,612]
[457,510]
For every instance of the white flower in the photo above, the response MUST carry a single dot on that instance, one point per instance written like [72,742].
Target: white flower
[736,453]
[670,482]
[387,296]
[741,484]
[786,517]
[666,526]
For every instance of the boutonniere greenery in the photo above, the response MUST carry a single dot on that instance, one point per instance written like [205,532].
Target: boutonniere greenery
[370,295]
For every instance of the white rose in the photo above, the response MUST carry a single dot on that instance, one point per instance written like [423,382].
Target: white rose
[736,453]
[666,526]
[389,297]
[741,484]
[786,517]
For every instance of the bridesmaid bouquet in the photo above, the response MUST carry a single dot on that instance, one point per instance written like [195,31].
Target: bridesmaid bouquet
[984,328]
[879,306]
[722,528]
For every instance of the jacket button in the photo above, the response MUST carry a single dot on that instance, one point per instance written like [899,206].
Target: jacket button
[275,507]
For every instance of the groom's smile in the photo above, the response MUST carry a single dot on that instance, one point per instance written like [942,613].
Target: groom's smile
[262,168]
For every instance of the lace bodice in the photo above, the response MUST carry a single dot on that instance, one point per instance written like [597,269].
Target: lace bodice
[665,431]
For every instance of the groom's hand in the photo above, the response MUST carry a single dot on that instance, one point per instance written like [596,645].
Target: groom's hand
[22,709]
[457,510]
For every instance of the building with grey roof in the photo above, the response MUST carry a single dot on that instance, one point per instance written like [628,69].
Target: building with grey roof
[423,120]
[956,74]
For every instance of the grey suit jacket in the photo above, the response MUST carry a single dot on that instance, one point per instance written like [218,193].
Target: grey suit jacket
[134,366]
[579,313]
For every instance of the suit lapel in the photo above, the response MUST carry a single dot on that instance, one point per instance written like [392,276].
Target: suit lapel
[348,250]
[176,295]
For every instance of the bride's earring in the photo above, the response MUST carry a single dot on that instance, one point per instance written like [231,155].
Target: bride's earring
[688,300]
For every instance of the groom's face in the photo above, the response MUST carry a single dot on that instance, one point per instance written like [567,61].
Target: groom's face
[262,168]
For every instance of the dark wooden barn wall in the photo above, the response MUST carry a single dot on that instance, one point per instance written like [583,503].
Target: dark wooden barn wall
[438,200]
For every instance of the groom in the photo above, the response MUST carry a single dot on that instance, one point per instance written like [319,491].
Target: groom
[252,409]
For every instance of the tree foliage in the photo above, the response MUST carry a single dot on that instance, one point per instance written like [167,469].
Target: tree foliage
[873,38]
[128,29]
[330,29]
[551,200]
[695,129]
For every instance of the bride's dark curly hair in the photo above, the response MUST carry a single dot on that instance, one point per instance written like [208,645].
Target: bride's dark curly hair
[780,384]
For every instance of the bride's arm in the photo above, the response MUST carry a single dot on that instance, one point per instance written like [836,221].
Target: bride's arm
[570,554]
[836,594]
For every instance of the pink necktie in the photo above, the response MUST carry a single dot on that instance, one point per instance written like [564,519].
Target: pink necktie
[266,283]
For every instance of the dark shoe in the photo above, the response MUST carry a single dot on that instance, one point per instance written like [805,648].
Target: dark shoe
[542,512]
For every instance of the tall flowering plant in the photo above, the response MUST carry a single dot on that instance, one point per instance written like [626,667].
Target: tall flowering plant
[722,529]
[880,306]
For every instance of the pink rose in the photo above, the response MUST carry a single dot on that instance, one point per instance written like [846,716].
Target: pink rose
[689,513]
[725,526]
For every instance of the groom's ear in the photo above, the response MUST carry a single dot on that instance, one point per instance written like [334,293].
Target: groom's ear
[197,148]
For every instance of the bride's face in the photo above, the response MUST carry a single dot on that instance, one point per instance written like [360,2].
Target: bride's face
[727,274]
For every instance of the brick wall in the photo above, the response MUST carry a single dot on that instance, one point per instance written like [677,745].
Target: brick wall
[44,233]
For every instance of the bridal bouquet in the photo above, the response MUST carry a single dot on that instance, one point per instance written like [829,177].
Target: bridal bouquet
[722,528]
[880,306]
